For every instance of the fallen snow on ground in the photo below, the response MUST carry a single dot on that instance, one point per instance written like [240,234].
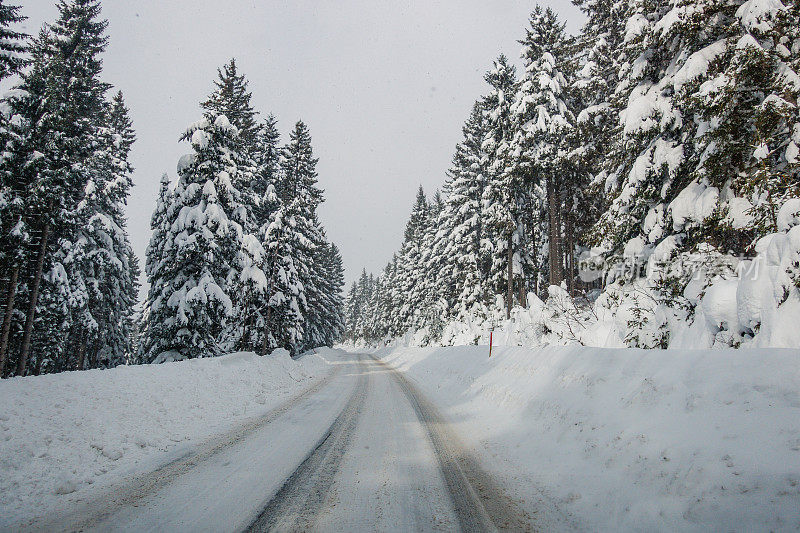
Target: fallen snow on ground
[626,439]
[64,437]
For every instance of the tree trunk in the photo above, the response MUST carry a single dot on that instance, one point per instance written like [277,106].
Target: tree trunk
[82,352]
[510,292]
[551,227]
[10,295]
[569,252]
[93,362]
[265,341]
[558,256]
[31,315]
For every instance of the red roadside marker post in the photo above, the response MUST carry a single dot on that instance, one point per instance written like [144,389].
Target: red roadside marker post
[491,333]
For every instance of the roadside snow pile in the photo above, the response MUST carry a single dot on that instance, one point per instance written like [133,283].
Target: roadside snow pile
[642,440]
[77,431]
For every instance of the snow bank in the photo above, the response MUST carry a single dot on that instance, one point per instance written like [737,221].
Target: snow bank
[68,435]
[669,440]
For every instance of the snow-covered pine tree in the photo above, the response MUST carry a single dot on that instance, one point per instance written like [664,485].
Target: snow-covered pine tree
[351,313]
[200,259]
[410,287]
[363,296]
[154,333]
[58,105]
[256,148]
[317,299]
[96,257]
[389,300]
[123,137]
[334,283]
[267,161]
[232,99]
[694,86]
[332,317]
[462,221]
[437,294]
[592,91]
[544,121]
[300,196]
[745,89]
[256,308]
[499,202]
[377,328]
[12,42]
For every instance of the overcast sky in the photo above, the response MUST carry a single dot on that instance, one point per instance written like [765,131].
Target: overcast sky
[384,86]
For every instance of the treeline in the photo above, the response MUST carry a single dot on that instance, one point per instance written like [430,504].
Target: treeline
[238,259]
[664,130]
[68,276]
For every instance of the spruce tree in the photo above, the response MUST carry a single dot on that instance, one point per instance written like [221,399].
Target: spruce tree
[462,217]
[200,258]
[157,269]
[301,234]
[232,99]
[499,202]
[59,104]
[98,254]
[411,269]
[283,319]
[12,43]
[544,122]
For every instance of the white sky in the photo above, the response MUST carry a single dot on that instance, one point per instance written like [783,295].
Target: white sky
[384,86]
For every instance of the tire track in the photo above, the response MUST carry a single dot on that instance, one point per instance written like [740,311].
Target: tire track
[87,517]
[302,497]
[480,503]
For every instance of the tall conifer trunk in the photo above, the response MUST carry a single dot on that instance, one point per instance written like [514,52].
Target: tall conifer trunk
[31,315]
[82,352]
[510,292]
[552,255]
[11,293]
[265,342]
[569,250]
[558,255]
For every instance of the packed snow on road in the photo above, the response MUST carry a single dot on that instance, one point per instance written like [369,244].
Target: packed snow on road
[571,437]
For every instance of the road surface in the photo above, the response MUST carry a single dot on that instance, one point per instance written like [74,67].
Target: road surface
[360,450]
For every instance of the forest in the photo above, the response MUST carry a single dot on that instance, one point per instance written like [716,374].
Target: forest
[238,258]
[637,184]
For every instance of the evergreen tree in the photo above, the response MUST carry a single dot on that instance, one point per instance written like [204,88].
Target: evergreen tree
[462,219]
[411,275]
[58,107]
[749,143]
[283,319]
[12,43]
[544,122]
[301,234]
[232,99]
[267,161]
[200,259]
[500,208]
[157,269]
[97,256]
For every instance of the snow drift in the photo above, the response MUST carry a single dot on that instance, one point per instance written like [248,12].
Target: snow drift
[608,440]
[68,435]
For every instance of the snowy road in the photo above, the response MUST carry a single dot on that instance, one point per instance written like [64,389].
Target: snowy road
[360,450]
